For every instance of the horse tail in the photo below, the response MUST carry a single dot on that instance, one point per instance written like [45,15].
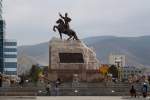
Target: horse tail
[54,29]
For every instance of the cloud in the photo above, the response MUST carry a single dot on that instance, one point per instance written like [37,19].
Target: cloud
[31,21]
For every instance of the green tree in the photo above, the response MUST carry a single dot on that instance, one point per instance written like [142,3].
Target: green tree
[113,70]
[34,73]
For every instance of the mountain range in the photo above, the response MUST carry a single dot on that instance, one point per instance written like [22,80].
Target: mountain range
[136,50]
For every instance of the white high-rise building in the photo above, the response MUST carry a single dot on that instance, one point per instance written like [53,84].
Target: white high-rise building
[117,60]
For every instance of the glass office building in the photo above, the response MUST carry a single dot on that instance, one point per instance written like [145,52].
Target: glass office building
[8,50]
[1,45]
[10,57]
[2,24]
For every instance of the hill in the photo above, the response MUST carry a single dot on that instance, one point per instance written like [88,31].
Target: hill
[136,49]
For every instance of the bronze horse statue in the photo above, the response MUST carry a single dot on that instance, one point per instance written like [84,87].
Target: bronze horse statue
[62,30]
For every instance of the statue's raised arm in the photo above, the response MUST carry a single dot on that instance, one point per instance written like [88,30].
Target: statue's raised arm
[61,16]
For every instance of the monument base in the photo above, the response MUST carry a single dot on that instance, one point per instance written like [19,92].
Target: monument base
[69,57]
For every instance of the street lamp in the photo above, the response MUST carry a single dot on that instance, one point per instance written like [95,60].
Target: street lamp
[75,83]
[118,61]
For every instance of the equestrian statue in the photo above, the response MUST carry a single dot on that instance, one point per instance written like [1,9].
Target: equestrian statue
[63,27]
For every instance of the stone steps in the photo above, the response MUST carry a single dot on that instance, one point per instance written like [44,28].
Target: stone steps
[68,90]
[14,91]
[18,94]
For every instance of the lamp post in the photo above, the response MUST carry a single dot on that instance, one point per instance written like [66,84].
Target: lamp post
[118,62]
[75,84]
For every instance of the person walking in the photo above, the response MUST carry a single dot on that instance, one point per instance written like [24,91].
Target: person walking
[21,83]
[1,79]
[57,84]
[48,87]
[133,92]
[56,90]
[144,90]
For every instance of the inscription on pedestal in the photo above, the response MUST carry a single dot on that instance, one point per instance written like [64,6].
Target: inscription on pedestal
[71,58]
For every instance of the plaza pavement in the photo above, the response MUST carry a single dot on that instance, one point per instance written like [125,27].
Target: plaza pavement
[71,98]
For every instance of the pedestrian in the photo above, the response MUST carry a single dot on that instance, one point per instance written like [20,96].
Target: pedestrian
[21,83]
[133,92]
[56,90]
[48,87]
[144,90]
[1,78]
[57,84]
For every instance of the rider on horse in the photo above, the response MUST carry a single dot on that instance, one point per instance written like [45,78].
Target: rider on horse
[66,20]
[63,27]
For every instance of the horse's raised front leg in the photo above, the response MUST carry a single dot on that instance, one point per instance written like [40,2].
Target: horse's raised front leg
[54,28]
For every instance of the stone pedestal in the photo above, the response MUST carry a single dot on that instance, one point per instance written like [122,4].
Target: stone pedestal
[69,57]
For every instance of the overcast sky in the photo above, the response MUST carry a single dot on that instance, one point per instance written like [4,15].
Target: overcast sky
[31,21]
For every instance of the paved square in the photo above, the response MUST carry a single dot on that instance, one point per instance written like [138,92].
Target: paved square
[71,98]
